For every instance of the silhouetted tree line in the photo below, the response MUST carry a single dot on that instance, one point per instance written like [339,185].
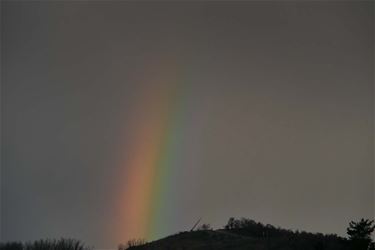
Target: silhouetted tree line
[278,238]
[258,235]
[132,243]
[62,244]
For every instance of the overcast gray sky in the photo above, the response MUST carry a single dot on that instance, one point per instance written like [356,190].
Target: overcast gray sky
[276,125]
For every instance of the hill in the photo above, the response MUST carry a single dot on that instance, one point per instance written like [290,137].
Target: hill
[201,240]
[247,234]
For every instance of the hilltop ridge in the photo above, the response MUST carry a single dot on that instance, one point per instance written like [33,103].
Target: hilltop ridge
[246,234]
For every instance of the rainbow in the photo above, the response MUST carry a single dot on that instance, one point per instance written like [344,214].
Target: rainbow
[144,207]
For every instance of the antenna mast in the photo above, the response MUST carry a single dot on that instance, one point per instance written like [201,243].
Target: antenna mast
[196,224]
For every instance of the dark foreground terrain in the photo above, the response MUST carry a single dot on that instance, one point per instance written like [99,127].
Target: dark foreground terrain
[245,234]
[238,234]
[227,240]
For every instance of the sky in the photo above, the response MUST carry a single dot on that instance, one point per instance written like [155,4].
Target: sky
[135,119]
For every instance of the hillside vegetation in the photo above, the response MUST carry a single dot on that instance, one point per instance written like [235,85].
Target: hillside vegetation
[245,234]
[238,234]
[62,244]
